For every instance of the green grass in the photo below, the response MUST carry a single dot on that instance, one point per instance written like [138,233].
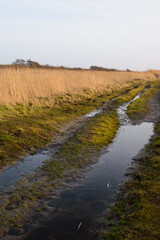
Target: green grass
[101,130]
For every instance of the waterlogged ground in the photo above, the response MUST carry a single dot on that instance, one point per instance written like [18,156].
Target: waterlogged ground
[72,212]
[29,164]
[76,209]
[136,214]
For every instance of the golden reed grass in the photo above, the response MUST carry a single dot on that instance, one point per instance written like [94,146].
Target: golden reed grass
[25,85]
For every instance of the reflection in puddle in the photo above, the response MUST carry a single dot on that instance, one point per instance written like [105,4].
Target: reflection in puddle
[123,118]
[27,166]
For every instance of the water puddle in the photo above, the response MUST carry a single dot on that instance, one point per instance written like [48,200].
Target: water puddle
[27,166]
[123,118]
[96,111]
[76,210]
[93,113]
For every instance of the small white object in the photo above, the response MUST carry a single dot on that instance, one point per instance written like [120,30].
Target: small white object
[108,185]
[79,225]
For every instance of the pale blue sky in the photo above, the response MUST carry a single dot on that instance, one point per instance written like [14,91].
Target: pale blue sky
[80,33]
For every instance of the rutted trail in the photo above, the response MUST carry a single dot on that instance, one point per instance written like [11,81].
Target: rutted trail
[53,208]
[84,203]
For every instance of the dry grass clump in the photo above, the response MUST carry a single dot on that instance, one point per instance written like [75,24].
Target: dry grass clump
[23,85]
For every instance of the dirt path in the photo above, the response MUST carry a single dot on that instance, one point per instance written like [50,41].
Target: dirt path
[43,208]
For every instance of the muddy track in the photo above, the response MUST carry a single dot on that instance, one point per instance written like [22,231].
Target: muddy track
[47,205]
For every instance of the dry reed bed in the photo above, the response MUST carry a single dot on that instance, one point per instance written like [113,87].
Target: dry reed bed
[25,85]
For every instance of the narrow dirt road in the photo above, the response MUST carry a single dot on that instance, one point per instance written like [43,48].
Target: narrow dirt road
[69,192]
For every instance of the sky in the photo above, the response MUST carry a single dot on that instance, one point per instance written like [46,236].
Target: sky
[121,34]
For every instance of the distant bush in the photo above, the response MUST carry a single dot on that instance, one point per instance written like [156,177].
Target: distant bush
[26,63]
[96,68]
[20,62]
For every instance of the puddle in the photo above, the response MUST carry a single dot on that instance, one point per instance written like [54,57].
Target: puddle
[93,113]
[96,192]
[123,118]
[75,212]
[27,166]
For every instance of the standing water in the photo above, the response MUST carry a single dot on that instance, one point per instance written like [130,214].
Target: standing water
[28,165]
[75,211]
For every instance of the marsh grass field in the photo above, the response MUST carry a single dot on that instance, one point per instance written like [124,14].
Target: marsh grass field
[36,103]
[41,86]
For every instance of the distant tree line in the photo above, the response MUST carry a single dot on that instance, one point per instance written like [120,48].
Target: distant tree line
[27,63]
[21,63]
[32,64]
